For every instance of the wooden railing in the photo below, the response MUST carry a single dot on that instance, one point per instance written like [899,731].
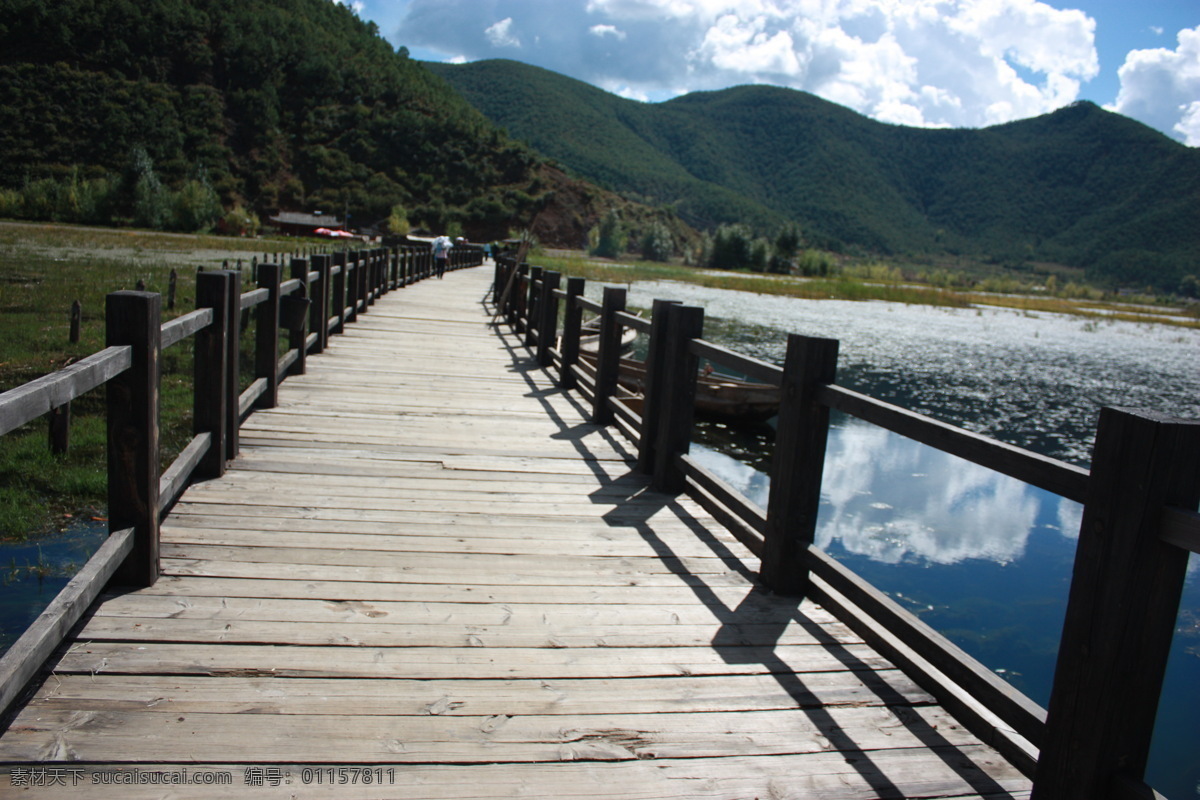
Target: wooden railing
[322,295]
[1139,526]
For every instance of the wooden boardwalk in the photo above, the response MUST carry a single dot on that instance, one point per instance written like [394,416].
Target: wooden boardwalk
[445,574]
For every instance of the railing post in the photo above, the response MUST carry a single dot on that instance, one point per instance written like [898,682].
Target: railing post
[1122,606]
[533,317]
[608,361]
[298,336]
[374,273]
[656,369]
[364,279]
[134,319]
[339,292]
[353,271]
[210,394]
[319,312]
[233,366]
[548,324]
[519,295]
[266,340]
[677,409]
[798,463]
[572,321]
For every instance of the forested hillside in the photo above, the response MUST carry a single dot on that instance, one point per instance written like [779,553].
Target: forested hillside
[1080,186]
[171,112]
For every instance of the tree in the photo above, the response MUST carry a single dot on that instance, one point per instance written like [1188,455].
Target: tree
[731,247]
[610,237]
[197,207]
[398,221]
[787,246]
[657,244]
[150,200]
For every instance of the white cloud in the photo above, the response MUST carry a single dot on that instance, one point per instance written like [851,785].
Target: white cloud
[915,62]
[1161,87]
[607,30]
[501,34]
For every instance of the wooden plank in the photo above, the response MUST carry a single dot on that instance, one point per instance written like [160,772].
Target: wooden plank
[430,539]
[632,633]
[350,591]
[336,697]
[462,739]
[754,608]
[947,773]
[457,662]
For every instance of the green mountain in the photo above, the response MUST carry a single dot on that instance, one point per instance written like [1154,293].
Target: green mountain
[1079,186]
[168,112]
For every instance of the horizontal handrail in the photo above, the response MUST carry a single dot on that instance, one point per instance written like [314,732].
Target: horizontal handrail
[291,287]
[746,510]
[177,476]
[23,660]
[254,297]
[639,324]
[1057,477]
[752,367]
[248,398]
[182,327]
[589,305]
[42,395]
[1026,716]
[1181,528]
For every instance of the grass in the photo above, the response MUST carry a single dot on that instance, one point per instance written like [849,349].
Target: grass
[43,269]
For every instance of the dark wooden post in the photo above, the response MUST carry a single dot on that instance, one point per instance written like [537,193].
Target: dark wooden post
[548,324]
[233,367]
[677,408]
[339,292]
[319,312]
[76,321]
[656,370]
[298,336]
[798,463]
[1122,606]
[266,339]
[171,285]
[534,306]
[572,320]
[353,279]
[59,428]
[210,395]
[364,279]
[520,297]
[608,361]
[134,319]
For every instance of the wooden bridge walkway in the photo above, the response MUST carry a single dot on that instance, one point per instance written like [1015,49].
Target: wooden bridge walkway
[448,583]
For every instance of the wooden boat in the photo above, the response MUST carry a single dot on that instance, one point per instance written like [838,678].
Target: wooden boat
[721,398]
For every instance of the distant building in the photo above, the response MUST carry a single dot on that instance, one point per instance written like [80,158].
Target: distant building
[297,223]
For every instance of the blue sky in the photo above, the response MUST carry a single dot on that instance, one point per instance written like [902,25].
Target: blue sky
[935,63]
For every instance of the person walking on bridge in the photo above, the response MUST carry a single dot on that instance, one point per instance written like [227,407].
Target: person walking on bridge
[441,251]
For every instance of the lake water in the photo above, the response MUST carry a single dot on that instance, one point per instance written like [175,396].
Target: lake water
[983,558]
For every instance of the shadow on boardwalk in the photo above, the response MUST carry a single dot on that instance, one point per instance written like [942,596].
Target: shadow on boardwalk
[750,631]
